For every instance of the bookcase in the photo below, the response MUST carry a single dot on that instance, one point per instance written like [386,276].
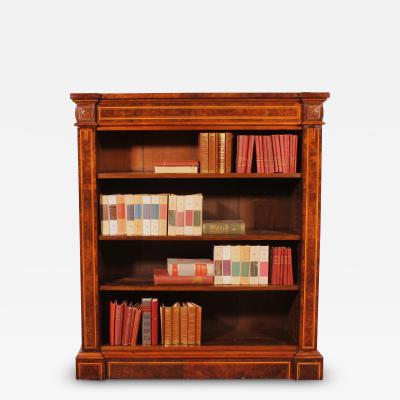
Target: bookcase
[260,331]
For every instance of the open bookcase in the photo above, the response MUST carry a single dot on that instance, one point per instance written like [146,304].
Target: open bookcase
[247,331]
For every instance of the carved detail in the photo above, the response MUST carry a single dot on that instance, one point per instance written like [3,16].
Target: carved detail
[85,114]
[313,112]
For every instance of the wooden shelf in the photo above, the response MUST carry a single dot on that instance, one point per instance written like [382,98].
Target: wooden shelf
[132,284]
[233,175]
[250,236]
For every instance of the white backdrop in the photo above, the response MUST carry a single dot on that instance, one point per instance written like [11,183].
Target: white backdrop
[49,49]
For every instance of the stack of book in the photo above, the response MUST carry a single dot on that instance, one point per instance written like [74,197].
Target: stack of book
[274,153]
[124,323]
[215,152]
[241,265]
[224,227]
[185,215]
[181,324]
[151,214]
[181,166]
[185,271]
[281,266]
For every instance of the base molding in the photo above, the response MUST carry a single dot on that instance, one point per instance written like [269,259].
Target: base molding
[129,365]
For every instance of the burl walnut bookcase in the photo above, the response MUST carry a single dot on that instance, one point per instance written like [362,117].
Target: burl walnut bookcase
[247,331]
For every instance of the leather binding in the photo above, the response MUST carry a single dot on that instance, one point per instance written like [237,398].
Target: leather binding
[172,215]
[175,324]
[264,167]
[119,316]
[226,265]
[162,225]
[191,324]
[235,259]
[203,152]
[162,323]
[244,153]
[154,322]
[189,210]
[138,215]
[112,209]
[155,215]
[136,324]
[221,152]
[180,215]
[258,158]
[168,326]
[245,265]
[282,150]
[183,325]
[254,260]
[224,227]
[239,139]
[121,216]
[113,309]
[269,164]
[295,150]
[263,271]
[161,277]
[228,151]
[218,265]
[275,149]
[262,155]
[250,151]
[197,214]
[290,280]
[190,267]
[284,266]
[286,144]
[146,321]
[212,166]
[130,215]
[198,325]
[105,225]
[127,324]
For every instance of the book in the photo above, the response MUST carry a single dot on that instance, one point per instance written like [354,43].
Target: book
[146,321]
[189,211]
[203,152]
[136,324]
[180,215]
[167,325]
[235,259]
[197,215]
[121,221]
[163,214]
[104,215]
[224,227]
[249,160]
[130,214]
[269,161]
[218,265]
[175,324]
[191,323]
[228,151]
[161,277]
[138,215]
[212,153]
[112,209]
[190,267]
[177,163]
[221,152]
[226,265]
[245,265]
[113,309]
[155,215]
[254,260]
[198,324]
[127,324]
[189,166]
[154,321]
[172,215]
[264,265]
[290,279]
[146,215]
[258,142]
[183,325]
[119,316]
[162,323]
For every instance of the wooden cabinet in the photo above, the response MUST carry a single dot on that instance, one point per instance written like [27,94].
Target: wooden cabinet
[250,332]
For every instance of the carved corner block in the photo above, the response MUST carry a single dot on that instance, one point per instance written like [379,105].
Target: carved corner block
[308,366]
[90,366]
[85,113]
[313,112]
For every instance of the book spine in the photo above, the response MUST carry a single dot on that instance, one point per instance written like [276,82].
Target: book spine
[282,150]
[223,228]
[162,227]
[113,308]
[265,155]
[180,215]
[126,325]
[226,265]
[104,215]
[137,215]
[198,325]
[238,152]
[171,215]
[221,152]
[290,280]
[162,324]
[244,265]
[235,258]
[168,326]
[112,208]
[250,152]
[183,325]
[146,215]
[254,261]
[130,215]
[244,153]
[155,215]
[121,217]
[188,225]
[136,324]
[212,167]
[197,215]
[175,325]
[154,322]
[269,155]
[203,152]
[275,153]
[262,155]
[191,325]
[295,150]
[218,265]
[286,142]
[146,321]
[258,158]
[119,317]
[228,151]
[264,265]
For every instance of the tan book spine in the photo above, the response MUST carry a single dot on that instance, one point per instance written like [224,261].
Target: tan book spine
[168,326]
[254,264]
[183,328]
[235,258]
[198,325]
[191,324]
[197,214]
[162,226]
[171,215]
[104,215]
[176,170]
[138,215]
[228,151]
[203,152]
[130,215]
[112,210]
[162,323]
[244,265]
[221,152]
[218,265]
[212,166]
[175,324]
[180,215]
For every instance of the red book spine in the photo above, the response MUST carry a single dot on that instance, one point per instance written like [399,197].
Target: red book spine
[262,156]
[272,274]
[282,152]
[126,324]
[258,159]
[284,266]
[287,151]
[250,152]
[244,152]
[238,152]
[275,153]
[295,151]
[270,155]
[278,266]
[113,308]
[290,267]
[154,322]
[119,316]
[265,155]
[132,320]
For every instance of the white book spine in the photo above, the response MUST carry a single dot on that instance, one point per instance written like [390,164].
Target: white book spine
[105,215]
[146,215]
[155,215]
[235,265]
[171,215]
[112,206]
[218,265]
[198,214]
[254,264]
[264,265]
[188,226]
[226,265]
[180,215]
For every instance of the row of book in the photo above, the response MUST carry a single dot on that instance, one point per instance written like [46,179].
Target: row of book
[151,214]
[179,324]
[215,152]
[274,153]
[179,166]
[232,265]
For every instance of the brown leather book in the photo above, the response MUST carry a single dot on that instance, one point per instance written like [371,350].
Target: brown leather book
[113,308]
[191,323]
[250,151]
[162,323]
[175,324]
[290,267]
[198,324]
[146,321]
[221,152]
[127,324]
[212,154]
[119,316]
[228,151]
[136,324]
[183,327]
[167,326]
[154,322]
[203,152]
